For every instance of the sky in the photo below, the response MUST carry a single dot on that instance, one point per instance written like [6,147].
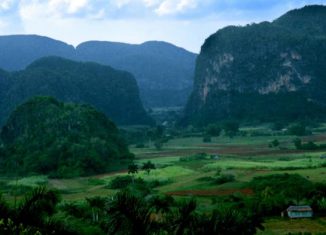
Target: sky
[185,23]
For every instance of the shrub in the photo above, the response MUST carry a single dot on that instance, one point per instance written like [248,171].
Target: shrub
[274,143]
[207,139]
[120,182]
[298,129]
[224,179]
[213,130]
[140,146]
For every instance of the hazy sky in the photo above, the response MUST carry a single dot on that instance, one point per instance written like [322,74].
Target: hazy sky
[185,23]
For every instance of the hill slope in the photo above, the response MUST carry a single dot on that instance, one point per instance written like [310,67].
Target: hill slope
[112,92]
[264,72]
[46,136]
[18,51]
[163,71]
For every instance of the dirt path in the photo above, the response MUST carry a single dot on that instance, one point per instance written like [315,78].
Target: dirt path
[211,192]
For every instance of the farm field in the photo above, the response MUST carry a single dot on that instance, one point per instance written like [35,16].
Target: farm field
[185,168]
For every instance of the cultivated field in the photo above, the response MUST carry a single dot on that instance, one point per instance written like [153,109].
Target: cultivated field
[185,165]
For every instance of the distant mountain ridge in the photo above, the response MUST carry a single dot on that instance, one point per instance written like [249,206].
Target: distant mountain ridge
[265,72]
[163,71]
[111,91]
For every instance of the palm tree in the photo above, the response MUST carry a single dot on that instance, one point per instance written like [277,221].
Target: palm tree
[37,205]
[34,213]
[129,215]
[133,169]
[97,204]
[184,220]
[4,208]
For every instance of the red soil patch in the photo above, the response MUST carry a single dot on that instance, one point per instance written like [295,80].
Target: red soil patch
[317,138]
[211,192]
[234,150]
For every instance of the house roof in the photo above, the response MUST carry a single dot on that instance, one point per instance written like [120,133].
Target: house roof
[299,208]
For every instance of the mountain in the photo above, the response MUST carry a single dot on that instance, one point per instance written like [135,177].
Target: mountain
[46,136]
[18,51]
[263,72]
[111,91]
[4,82]
[163,71]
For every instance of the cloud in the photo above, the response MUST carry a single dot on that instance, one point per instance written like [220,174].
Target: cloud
[67,6]
[6,5]
[168,7]
[185,23]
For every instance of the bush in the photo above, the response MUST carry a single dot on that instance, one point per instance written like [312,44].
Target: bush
[298,129]
[207,139]
[213,130]
[231,128]
[140,146]
[120,182]
[275,143]
[224,179]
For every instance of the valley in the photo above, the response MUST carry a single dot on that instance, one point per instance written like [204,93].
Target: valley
[151,139]
[186,168]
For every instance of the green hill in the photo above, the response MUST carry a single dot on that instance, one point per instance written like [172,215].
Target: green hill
[111,91]
[45,136]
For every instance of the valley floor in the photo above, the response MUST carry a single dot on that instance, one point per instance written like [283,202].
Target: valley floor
[182,176]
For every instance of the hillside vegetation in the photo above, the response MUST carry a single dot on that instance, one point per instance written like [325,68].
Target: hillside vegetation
[111,91]
[263,72]
[46,136]
[163,71]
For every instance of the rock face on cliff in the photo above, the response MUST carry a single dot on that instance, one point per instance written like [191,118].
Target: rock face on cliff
[110,91]
[264,72]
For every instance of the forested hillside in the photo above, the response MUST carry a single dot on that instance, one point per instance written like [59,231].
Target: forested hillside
[45,136]
[163,71]
[112,92]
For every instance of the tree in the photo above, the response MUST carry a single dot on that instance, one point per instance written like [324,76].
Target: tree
[184,219]
[297,143]
[34,215]
[207,139]
[129,214]
[231,128]
[275,143]
[213,130]
[298,129]
[148,166]
[158,144]
[133,169]
[97,204]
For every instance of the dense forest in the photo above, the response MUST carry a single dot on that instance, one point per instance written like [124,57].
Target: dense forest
[45,136]
[111,91]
